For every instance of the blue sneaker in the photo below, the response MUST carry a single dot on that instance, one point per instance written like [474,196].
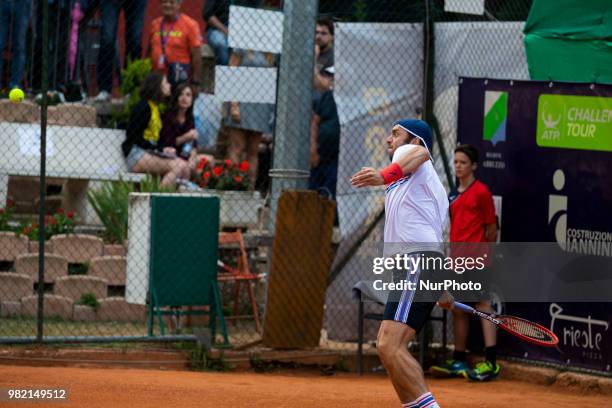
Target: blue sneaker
[450,369]
[484,371]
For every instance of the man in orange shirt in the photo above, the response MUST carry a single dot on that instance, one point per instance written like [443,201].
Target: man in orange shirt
[175,43]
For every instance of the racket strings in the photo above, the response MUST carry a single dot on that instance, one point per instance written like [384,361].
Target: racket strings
[528,329]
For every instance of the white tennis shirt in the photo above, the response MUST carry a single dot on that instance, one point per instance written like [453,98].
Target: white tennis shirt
[416,207]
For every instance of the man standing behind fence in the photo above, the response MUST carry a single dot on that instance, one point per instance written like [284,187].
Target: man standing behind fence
[324,139]
[134,17]
[416,209]
[18,12]
[175,44]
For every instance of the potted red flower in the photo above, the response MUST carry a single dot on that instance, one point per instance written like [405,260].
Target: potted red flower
[239,207]
[223,176]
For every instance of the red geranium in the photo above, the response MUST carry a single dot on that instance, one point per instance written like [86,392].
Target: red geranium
[202,164]
[223,176]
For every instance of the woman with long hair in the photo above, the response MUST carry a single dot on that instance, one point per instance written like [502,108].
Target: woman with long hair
[178,126]
[141,147]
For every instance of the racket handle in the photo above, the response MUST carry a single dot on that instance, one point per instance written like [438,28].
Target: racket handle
[463,307]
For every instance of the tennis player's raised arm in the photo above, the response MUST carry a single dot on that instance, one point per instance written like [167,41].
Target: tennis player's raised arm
[406,161]
[411,159]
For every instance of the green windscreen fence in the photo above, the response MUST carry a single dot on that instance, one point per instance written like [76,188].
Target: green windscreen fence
[570,40]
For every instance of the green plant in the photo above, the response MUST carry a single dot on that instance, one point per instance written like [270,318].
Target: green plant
[360,12]
[152,184]
[6,214]
[201,359]
[131,79]
[89,299]
[111,201]
[61,222]
[226,176]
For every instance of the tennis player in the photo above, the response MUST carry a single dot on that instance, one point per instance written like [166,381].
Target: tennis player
[416,208]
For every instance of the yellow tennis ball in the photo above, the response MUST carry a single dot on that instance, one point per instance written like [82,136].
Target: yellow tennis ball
[16,95]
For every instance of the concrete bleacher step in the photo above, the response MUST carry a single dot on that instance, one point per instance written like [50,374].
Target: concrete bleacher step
[75,286]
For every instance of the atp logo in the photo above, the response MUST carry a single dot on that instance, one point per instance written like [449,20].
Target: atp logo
[551,124]
[557,209]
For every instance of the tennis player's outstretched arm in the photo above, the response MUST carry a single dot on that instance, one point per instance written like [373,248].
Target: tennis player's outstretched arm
[409,162]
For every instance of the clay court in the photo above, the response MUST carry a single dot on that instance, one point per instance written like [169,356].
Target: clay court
[93,387]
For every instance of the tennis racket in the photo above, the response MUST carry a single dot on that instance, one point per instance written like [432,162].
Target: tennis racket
[521,328]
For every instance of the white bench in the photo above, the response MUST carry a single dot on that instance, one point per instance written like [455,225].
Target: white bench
[77,154]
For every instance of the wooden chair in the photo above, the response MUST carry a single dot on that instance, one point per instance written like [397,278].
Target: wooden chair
[238,274]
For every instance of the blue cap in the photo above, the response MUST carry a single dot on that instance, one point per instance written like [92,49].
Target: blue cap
[417,128]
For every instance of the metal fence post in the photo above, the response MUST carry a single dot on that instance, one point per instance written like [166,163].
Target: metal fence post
[294,101]
[43,181]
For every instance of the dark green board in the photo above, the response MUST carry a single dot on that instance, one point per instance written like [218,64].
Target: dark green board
[184,249]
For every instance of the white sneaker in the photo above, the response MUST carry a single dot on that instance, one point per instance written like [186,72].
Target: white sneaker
[103,96]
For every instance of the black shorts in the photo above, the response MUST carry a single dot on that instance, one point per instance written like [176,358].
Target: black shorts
[410,306]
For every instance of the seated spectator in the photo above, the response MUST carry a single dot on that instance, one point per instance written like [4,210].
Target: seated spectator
[178,127]
[248,121]
[175,44]
[134,11]
[19,12]
[216,15]
[324,139]
[141,146]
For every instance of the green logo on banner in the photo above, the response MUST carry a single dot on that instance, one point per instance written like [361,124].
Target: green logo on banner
[574,122]
[495,116]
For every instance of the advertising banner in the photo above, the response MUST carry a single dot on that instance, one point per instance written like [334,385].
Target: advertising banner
[546,155]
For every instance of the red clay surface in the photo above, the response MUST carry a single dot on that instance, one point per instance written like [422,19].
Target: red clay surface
[92,387]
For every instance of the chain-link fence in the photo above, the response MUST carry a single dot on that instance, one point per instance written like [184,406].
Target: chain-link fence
[225,105]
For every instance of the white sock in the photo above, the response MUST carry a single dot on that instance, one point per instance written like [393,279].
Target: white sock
[424,401]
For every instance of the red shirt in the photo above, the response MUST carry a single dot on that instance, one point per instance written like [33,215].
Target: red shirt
[470,212]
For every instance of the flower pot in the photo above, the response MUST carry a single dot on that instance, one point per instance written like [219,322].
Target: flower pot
[239,208]
[12,245]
